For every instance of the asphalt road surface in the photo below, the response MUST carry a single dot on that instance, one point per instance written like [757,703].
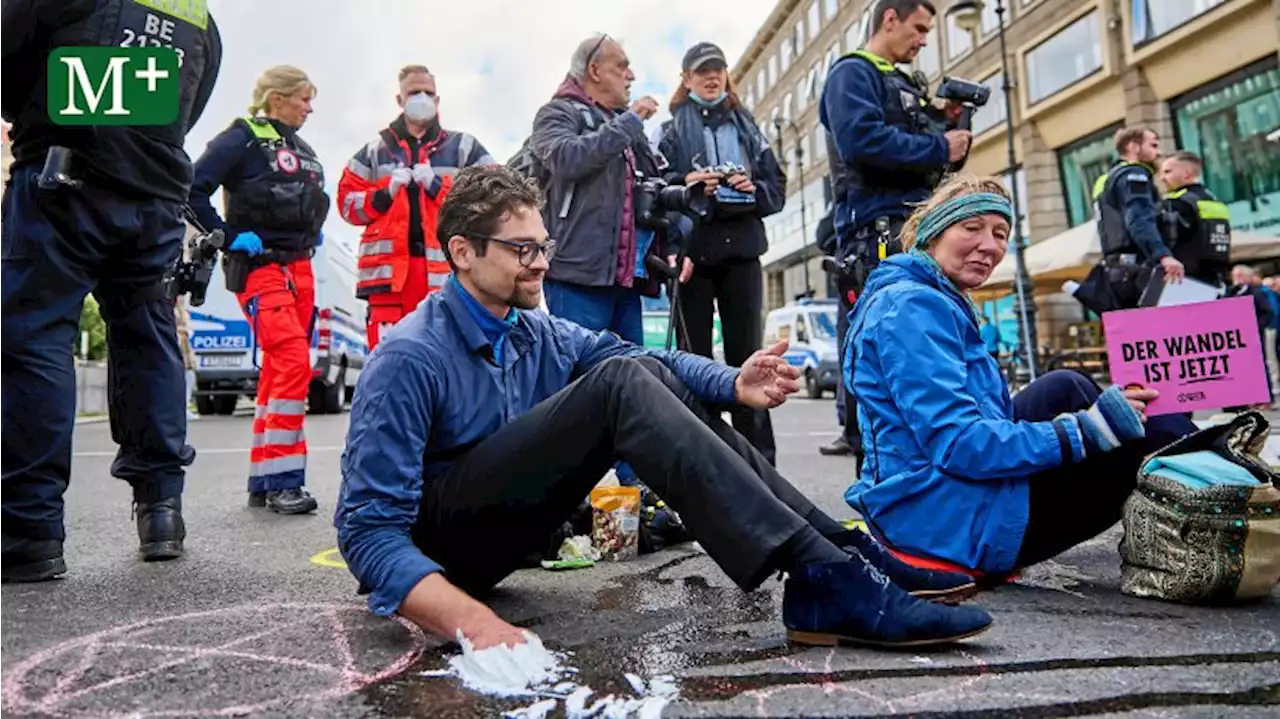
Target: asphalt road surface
[256,621]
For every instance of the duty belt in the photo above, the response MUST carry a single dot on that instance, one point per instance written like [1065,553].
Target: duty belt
[283,257]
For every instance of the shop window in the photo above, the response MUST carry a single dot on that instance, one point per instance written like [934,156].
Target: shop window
[1081,163]
[1153,18]
[1068,57]
[992,113]
[1231,124]
[929,60]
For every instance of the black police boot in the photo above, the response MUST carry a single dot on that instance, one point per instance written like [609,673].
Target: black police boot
[32,560]
[257,499]
[839,448]
[160,529]
[291,501]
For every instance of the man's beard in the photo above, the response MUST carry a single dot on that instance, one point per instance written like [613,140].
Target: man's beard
[525,299]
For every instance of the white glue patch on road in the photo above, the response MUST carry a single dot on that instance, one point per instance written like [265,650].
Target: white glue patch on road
[531,670]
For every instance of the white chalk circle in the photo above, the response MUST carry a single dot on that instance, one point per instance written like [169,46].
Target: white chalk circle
[234,661]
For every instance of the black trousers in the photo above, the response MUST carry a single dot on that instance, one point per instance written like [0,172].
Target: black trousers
[504,497]
[737,289]
[1077,502]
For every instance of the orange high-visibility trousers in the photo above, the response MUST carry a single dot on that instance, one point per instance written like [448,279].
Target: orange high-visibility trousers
[279,302]
[388,308]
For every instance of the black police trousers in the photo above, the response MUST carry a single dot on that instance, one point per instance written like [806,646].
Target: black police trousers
[505,496]
[58,246]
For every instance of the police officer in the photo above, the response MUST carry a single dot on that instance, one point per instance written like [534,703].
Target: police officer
[93,209]
[888,146]
[1196,225]
[276,206]
[1126,200]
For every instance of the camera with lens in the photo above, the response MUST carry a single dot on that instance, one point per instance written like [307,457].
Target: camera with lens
[969,95]
[194,270]
[655,197]
[731,201]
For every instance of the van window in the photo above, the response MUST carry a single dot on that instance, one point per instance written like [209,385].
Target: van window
[802,332]
[824,324]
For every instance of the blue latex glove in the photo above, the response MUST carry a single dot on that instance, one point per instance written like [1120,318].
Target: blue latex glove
[1110,422]
[248,243]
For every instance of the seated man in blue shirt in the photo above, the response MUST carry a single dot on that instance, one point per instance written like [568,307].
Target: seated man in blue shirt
[480,424]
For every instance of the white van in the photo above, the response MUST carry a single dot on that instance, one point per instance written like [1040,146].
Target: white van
[810,327]
[228,357]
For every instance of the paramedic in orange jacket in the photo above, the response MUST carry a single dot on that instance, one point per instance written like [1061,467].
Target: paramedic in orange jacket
[394,187]
[273,187]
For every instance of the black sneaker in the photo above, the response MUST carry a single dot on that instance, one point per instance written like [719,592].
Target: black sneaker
[839,448]
[31,560]
[291,501]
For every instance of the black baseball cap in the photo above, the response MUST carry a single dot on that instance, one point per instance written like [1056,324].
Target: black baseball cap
[702,54]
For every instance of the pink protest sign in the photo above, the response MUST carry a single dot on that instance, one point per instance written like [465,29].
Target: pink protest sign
[1205,355]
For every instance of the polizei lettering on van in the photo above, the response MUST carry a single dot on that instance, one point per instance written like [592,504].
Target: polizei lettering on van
[219,342]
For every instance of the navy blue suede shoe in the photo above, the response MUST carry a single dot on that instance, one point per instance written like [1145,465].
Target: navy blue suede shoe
[945,587]
[852,602]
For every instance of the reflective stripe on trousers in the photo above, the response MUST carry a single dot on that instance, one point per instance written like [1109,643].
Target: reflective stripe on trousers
[280,314]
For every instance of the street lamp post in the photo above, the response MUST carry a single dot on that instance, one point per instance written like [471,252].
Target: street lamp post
[968,15]
[778,123]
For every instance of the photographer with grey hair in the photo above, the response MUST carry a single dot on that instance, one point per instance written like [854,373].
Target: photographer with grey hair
[587,151]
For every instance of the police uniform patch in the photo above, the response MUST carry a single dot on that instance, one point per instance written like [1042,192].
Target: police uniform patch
[286,160]
[908,100]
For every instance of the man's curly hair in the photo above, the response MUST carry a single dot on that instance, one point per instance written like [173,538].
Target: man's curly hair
[481,197]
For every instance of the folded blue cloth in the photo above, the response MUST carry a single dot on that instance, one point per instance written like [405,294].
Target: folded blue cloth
[1201,470]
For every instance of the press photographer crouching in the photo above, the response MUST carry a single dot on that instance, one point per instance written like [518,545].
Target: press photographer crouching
[713,140]
[957,473]
[479,426]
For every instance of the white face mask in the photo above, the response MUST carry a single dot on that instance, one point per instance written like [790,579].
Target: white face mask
[420,107]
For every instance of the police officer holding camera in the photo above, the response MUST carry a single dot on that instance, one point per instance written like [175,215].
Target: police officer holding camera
[889,147]
[93,209]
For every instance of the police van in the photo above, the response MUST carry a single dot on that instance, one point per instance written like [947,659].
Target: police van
[810,327]
[228,357]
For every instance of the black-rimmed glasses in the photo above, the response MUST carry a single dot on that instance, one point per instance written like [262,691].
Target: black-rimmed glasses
[526,250]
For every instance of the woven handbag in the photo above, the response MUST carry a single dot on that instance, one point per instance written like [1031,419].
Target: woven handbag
[1214,545]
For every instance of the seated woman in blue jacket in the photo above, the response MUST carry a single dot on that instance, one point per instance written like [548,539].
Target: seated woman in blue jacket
[956,471]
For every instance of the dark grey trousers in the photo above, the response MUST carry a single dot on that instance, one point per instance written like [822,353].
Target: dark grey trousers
[508,493]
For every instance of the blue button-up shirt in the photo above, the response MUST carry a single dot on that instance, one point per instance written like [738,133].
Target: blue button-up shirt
[430,388]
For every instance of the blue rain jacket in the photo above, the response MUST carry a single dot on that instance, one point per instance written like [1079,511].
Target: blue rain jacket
[946,466]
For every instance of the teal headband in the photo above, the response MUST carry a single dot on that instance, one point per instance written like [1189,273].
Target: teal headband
[959,209]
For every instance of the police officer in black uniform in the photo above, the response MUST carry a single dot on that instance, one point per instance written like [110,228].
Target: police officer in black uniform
[1197,226]
[94,209]
[1126,200]
[888,147]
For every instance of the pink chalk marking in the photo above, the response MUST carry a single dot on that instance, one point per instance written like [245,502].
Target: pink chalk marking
[1141,346]
[762,696]
[13,688]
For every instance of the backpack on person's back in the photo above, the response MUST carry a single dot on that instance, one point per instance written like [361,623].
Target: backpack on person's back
[526,161]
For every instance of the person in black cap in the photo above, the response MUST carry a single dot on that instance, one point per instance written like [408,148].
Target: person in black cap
[712,138]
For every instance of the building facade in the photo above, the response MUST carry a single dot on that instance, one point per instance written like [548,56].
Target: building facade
[1203,73]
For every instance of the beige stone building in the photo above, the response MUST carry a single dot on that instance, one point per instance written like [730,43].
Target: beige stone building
[1203,73]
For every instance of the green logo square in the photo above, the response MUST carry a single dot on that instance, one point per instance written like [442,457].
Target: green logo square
[113,86]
